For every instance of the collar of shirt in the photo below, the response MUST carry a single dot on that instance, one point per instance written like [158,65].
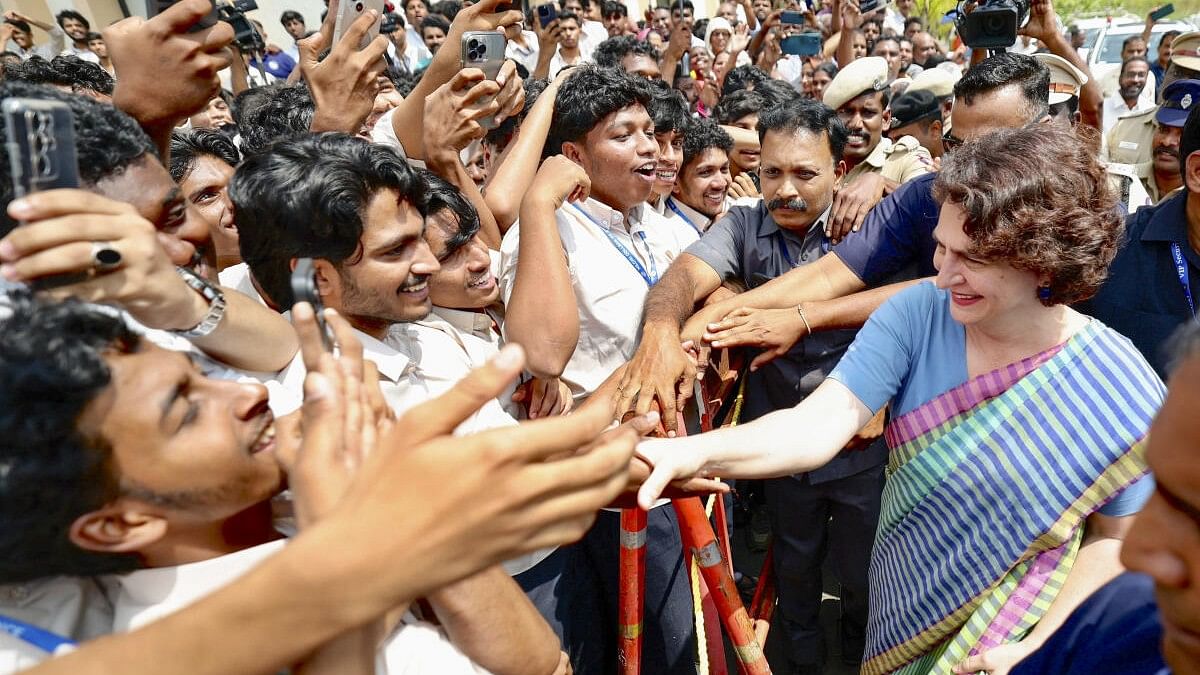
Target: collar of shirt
[393,358]
[603,214]
[691,216]
[472,322]
[880,154]
[767,227]
[1169,224]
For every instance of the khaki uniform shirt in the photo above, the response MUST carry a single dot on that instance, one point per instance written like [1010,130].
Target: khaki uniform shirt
[900,161]
[1130,139]
[1145,172]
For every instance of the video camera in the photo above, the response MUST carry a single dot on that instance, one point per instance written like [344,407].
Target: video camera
[245,36]
[992,24]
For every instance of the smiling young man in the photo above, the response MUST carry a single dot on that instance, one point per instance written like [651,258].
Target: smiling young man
[740,109]
[700,195]
[802,143]
[573,273]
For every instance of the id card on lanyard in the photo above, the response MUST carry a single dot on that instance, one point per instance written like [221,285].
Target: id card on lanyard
[49,642]
[1181,269]
[671,205]
[650,277]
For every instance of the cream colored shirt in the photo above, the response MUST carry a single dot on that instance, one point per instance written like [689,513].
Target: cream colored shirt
[609,291]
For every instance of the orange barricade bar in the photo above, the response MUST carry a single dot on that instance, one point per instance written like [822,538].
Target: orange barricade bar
[630,602]
[698,536]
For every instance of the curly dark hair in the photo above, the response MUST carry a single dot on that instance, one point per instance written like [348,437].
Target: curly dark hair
[743,77]
[588,96]
[739,104]
[51,367]
[668,108]
[611,52]
[187,145]
[305,197]
[702,135]
[84,74]
[1038,199]
[286,112]
[107,141]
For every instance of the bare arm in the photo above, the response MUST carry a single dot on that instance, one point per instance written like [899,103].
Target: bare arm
[765,448]
[661,369]
[488,617]
[515,173]
[824,279]
[542,314]
[250,337]
[409,118]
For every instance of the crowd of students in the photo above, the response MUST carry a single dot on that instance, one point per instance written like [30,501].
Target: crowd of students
[954,278]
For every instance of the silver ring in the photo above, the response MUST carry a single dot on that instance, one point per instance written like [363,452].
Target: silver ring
[105,258]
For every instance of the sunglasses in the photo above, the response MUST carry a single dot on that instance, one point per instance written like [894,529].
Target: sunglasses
[950,141]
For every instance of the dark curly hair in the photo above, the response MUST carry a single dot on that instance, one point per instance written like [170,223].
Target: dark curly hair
[187,145]
[107,141]
[668,108]
[284,113]
[611,52]
[51,367]
[84,75]
[1038,199]
[588,96]
[702,135]
[305,198]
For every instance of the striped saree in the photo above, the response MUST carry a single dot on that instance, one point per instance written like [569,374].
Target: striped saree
[989,484]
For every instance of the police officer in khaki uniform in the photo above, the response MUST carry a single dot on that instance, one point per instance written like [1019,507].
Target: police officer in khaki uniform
[1130,140]
[1066,82]
[860,94]
[1161,175]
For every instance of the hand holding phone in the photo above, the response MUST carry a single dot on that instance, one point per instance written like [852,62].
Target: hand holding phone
[1162,12]
[41,145]
[484,50]
[304,289]
[348,13]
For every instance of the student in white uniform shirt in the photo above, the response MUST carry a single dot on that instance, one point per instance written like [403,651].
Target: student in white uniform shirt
[574,274]
[169,476]
[669,110]
[701,189]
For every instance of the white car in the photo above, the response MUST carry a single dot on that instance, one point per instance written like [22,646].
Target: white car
[1104,59]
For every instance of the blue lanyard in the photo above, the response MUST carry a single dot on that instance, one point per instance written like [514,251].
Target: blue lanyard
[41,638]
[1181,268]
[781,244]
[671,205]
[651,277]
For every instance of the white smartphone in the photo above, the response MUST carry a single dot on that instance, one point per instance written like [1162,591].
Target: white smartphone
[348,13]
[484,50]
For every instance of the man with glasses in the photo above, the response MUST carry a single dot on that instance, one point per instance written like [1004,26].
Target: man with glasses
[1004,91]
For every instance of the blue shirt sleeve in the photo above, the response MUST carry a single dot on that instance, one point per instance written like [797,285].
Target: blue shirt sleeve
[895,234]
[878,361]
[1130,500]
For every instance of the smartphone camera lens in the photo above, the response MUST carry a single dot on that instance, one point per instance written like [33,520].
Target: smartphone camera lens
[358,7]
[472,44]
[542,10]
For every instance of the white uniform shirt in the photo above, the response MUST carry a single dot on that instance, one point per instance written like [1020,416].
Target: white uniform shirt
[149,594]
[1114,107]
[609,291]
[526,56]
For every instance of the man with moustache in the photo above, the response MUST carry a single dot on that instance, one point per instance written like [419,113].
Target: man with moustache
[1128,96]
[802,143]
[1162,175]
[875,164]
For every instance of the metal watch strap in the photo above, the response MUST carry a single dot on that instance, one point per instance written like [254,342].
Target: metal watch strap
[216,303]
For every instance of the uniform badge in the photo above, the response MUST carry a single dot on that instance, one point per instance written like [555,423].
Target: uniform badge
[1186,101]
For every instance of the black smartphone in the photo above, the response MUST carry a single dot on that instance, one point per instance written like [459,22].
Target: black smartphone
[792,18]
[41,145]
[1164,11]
[804,44]
[304,289]
[546,13]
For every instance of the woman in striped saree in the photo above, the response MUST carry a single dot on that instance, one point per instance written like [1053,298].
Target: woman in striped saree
[1016,427]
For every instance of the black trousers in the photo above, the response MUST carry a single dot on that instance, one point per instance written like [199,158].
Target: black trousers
[807,520]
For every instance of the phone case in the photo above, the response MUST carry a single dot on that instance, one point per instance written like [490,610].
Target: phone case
[41,145]
[348,13]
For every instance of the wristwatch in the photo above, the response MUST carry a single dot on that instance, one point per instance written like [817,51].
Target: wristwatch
[216,304]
